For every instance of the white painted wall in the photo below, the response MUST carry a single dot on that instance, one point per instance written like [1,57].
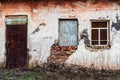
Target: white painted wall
[39,44]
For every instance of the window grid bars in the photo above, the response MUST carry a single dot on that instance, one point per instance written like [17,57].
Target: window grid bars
[99,36]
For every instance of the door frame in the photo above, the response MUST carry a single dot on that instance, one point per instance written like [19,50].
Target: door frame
[19,22]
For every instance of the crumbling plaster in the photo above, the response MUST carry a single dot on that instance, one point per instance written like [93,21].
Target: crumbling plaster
[49,13]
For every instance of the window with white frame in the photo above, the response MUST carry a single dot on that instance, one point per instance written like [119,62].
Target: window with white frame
[99,33]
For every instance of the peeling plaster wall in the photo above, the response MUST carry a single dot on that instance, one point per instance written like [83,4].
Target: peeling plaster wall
[41,38]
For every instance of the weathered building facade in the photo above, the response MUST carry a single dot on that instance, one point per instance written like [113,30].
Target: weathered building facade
[80,32]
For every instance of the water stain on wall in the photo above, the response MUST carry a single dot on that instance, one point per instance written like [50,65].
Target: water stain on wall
[117,24]
[84,35]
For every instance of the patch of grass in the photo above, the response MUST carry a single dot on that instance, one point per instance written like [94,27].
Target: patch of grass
[115,74]
[66,74]
[90,78]
[7,76]
[41,75]
[28,76]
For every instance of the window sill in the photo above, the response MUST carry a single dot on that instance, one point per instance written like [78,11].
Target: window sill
[101,47]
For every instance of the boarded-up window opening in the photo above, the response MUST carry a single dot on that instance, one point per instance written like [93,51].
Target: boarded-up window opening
[68,32]
[99,33]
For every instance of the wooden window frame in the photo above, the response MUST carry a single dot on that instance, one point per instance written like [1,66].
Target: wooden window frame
[108,34]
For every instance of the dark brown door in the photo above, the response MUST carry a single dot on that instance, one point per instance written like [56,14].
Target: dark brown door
[16,46]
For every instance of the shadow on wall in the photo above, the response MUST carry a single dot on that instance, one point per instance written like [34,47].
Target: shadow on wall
[117,24]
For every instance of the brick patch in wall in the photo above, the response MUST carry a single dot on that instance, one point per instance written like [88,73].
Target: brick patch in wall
[59,54]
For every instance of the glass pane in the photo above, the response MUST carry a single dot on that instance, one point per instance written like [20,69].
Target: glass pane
[95,34]
[103,42]
[103,34]
[99,24]
[94,42]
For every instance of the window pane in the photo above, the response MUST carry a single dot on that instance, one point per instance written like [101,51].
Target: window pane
[94,34]
[103,34]
[94,42]
[99,24]
[103,42]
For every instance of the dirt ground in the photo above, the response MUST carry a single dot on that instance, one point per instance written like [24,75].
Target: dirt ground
[58,72]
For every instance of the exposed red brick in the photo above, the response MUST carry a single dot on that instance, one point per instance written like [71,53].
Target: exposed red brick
[60,54]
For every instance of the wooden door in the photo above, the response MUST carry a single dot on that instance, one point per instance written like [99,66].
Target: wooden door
[16,46]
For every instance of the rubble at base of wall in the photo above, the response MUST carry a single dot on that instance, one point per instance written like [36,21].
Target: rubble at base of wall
[74,69]
[2,64]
